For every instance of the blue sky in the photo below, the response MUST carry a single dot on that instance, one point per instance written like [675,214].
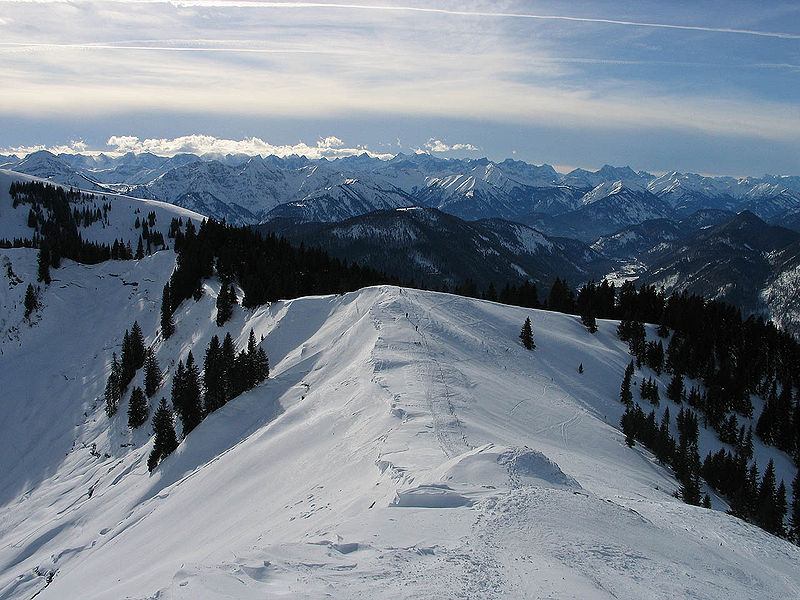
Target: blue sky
[705,87]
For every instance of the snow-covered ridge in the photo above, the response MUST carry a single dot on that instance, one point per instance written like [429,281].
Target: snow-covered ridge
[124,211]
[405,444]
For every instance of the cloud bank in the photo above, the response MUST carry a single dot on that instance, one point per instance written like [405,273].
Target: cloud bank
[329,147]
[435,145]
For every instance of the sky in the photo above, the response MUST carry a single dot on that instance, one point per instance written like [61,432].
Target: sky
[708,87]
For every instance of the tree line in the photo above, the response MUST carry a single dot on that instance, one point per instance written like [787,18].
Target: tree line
[756,499]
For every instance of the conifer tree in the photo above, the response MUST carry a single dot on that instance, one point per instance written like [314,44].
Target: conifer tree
[589,320]
[214,377]
[794,516]
[225,301]
[663,330]
[166,440]
[137,346]
[178,385]
[526,335]
[43,273]
[690,485]
[31,301]
[113,393]
[228,362]
[580,368]
[260,365]
[137,409]
[191,400]
[751,490]
[232,295]
[240,376]
[251,375]
[561,298]
[167,323]
[665,444]
[140,249]
[251,342]
[152,373]
[628,427]
[625,394]
[780,509]
[675,389]
[766,513]
[127,370]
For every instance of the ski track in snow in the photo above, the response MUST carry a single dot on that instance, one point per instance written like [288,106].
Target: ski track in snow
[446,424]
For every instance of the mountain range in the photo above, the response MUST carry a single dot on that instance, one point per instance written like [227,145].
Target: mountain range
[583,204]
[432,247]
[477,217]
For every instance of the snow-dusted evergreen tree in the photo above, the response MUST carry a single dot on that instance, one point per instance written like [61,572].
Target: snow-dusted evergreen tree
[137,409]
[152,373]
[526,335]
[166,440]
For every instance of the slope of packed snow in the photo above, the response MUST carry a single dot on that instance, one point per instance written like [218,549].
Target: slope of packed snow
[405,445]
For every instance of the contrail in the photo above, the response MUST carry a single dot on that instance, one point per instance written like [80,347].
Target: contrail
[462,13]
[140,45]
[466,13]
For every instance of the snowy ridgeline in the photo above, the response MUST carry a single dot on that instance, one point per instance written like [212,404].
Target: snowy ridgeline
[120,222]
[405,445]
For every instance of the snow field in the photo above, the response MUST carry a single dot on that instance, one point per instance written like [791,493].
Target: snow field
[426,455]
